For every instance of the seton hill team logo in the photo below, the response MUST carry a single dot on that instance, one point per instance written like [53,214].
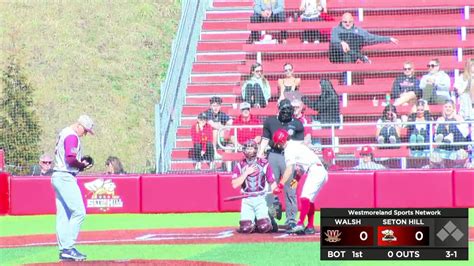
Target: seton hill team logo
[102,195]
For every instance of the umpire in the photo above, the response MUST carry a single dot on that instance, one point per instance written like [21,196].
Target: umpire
[295,128]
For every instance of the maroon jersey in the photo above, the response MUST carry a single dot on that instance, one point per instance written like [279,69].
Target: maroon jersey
[257,181]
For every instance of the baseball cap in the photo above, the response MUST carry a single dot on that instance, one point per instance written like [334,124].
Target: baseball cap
[328,154]
[366,150]
[87,123]
[215,99]
[202,116]
[244,105]
[46,158]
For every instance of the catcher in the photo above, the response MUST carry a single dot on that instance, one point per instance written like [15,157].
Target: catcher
[302,160]
[253,176]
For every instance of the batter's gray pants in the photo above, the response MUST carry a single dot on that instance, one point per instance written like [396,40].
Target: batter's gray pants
[277,163]
[70,210]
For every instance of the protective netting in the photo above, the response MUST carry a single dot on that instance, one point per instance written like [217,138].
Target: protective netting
[374,80]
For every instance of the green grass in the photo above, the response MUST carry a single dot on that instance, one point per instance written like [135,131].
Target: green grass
[104,58]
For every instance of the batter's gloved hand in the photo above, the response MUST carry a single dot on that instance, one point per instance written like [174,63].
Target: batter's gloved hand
[278,189]
[88,161]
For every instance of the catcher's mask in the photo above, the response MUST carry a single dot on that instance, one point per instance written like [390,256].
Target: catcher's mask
[286,110]
[280,137]
[250,149]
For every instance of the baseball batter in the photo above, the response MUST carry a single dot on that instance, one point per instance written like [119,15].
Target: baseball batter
[70,210]
[302,160]
[253,175]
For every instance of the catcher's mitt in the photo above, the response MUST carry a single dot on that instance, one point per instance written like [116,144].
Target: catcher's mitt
[88,160]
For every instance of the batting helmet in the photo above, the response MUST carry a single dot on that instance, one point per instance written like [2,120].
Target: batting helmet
[250,154]
[280,137]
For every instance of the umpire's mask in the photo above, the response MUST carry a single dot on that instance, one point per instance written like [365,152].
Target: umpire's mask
[285,111]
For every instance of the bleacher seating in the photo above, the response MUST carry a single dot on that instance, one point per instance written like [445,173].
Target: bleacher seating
[224,58]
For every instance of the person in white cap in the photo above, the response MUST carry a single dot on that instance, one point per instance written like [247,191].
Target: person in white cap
[70,210]
[44,166]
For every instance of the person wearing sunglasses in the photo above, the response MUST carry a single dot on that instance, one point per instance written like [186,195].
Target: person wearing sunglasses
[44,166]
[435,84]
[347,41]
[289,83]
[406,87]
[256,90]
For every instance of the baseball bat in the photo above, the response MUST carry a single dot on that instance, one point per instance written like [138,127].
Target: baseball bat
[243,196]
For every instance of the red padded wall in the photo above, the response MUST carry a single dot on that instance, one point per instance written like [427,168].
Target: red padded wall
[4,195]
[347,190]
[464,188]
[31,195]
[179,193]
[226,190]
[417,188]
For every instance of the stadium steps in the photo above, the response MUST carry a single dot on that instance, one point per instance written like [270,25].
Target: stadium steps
[223,61]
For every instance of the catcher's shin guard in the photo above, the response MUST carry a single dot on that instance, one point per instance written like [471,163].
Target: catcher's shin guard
[264,225]
[246,227]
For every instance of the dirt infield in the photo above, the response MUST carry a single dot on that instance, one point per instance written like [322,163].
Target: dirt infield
[205,235]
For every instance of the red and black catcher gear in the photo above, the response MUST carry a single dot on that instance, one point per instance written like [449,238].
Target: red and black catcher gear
[250,155]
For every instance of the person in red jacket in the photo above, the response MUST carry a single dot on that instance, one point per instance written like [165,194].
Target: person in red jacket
[201,134]
[246,119]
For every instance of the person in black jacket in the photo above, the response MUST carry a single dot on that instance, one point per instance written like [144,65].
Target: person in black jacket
[419,133]
[327,104]
[406,87]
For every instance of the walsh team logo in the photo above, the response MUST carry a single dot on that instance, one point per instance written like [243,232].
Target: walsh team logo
[102,195]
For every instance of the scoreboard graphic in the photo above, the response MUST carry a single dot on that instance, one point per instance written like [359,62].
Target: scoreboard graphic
[394,234]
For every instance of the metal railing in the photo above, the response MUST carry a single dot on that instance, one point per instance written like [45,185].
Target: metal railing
[173,89]
[334,136]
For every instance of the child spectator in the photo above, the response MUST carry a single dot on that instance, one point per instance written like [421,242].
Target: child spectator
[435,84]
[406,87]
[389,132]
[348,40]
[201,134]
[464,85]
[312,10]
[289,83]
[256,90]
[267,11]
[217,120]
[367,160]
[327,104]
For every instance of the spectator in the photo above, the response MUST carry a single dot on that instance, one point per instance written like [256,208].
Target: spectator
[464,85]
[217,120]
[406,87]
[367,160]
[201,134]
[44,166]
[327,104]
[256,90]
[268,11]
[289,83]
[419,133]
[389,132]
[312,10]
[435,84]
[298,113]
[246,119]
[451,133]
[436,161]
[348,40]
[329,160]
[114,166]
